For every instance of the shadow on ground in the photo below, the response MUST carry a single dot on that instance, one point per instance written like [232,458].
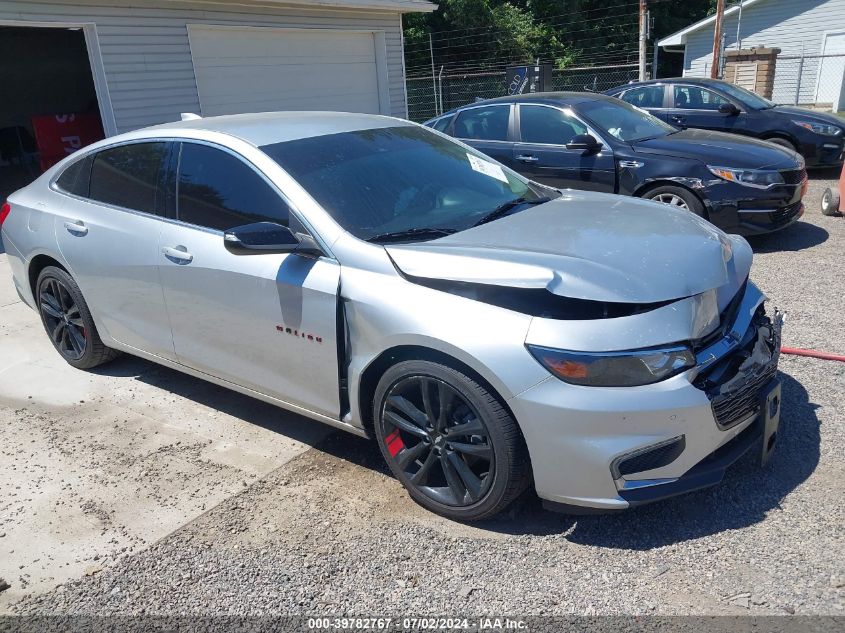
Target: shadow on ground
[799,236]
[210,395]
[744,497]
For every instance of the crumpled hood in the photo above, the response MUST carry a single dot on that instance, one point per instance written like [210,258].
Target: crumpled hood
[591,246]
[717,148]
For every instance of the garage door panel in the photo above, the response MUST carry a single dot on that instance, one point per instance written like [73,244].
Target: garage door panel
[251,69]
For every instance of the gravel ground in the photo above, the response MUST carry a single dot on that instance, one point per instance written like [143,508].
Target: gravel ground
[332,533]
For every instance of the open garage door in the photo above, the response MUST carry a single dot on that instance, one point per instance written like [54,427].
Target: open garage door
[257,69]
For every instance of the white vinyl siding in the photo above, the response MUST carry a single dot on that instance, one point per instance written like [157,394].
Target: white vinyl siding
[790,25]
[147,56]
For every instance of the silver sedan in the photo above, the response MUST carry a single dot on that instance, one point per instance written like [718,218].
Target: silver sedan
[492,334]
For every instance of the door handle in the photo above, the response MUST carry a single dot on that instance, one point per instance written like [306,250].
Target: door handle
[77,228]
[678,119]
[179,254]
[527,158]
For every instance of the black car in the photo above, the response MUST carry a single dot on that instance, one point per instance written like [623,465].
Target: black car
[711,104]
[589,141]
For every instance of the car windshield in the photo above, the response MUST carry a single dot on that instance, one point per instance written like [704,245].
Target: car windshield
[623,121]
[748,98]
[402,181]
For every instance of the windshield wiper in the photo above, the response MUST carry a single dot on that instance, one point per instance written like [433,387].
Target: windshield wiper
[418,233]
[503,209]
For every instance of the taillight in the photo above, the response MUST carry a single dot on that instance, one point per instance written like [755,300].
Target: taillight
[4,213]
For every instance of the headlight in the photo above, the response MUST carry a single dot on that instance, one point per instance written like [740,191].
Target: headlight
[819,128]
[760,178]
[614,369]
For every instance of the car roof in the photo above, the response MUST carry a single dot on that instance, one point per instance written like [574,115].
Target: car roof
[561,98]
[693,81]
[266,128]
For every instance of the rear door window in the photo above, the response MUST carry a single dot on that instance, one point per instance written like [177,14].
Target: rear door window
[485,123]
[129,176]
[218,191]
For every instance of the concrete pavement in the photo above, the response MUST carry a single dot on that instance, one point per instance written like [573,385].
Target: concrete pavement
[97,465]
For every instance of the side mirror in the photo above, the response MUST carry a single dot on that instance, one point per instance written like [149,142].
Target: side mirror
[269,237]
[729,108]
[584,143]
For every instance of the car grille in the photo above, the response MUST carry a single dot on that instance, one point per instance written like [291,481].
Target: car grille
[785,214]
[794,176]
[741,404]
[734,392]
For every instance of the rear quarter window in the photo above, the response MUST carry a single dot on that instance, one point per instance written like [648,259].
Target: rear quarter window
[76,178]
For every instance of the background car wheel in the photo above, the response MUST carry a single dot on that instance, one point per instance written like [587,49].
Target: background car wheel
[783,143]
[677,197]
[830,202]
[449,441]
[68,321]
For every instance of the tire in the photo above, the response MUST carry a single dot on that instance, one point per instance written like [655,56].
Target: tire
[476,481]
[677,197]
[783,143]
[67,320]
[830,202]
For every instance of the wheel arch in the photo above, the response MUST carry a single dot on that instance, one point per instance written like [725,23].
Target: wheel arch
[39,263]
[768,136]
[681,183]
[372,373]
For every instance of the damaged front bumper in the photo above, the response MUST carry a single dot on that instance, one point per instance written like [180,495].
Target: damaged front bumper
[614,448]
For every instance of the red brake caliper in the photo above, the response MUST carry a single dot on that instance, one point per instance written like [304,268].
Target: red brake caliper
[394,443]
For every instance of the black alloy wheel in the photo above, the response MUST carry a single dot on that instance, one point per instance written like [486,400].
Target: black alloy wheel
[449,441]
[62,319]
[67,320]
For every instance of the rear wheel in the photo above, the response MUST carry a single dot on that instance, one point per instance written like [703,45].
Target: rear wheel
[830,202]
[677,197]
[68,321]
[449,441]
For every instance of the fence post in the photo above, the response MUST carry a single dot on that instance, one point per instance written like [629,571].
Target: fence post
[433,78]
[440,90]
[800,73]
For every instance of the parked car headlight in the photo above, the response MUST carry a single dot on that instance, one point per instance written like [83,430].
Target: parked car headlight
[825,129]
[614,369]
[760,178]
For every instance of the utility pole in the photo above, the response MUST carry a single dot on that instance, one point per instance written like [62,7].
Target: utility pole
[717,40]
[643,38]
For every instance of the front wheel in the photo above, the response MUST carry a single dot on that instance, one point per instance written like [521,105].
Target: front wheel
[783,143]
[677,197]
[68,321]
[830,202]
[450,442]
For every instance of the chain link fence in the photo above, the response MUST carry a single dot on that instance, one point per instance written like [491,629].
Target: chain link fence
[816,81]
[430,95]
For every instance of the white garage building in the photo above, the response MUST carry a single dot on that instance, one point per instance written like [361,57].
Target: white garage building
[148,61]
[119,65]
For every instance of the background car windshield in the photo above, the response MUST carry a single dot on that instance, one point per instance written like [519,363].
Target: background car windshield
[750,99]
[396,179]
[623,121]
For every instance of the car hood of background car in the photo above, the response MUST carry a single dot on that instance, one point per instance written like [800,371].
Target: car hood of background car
[717,148]
[584,245]
[794,112]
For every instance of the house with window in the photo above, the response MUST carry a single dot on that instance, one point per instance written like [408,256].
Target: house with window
[77,71]
[792,51]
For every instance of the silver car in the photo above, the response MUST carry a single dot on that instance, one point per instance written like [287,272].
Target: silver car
[492,334]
